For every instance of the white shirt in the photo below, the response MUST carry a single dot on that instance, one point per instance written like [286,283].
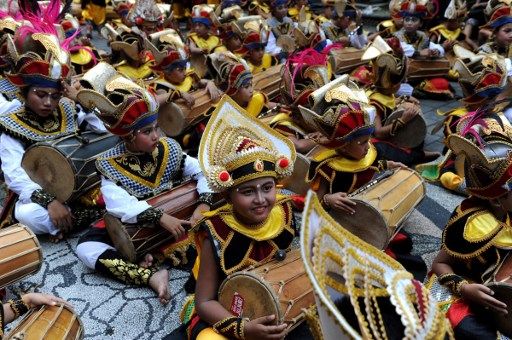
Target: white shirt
[127,207]
[12,151]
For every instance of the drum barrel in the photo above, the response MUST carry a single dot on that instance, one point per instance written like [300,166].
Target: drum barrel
[49,322]
[20,254]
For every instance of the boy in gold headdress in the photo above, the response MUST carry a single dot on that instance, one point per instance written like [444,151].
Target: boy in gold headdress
[242,159]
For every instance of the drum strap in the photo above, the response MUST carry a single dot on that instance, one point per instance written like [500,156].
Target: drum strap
[111,263]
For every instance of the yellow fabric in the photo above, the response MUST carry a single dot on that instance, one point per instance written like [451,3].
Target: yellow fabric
[479,226]
[209,44]
[269,229]
[340,163]
[210,334]
[256,104]
[266,62]
[459,112]
[94,13]
[446,33]
[387,23]
[195,269]
[134,73]
[186,85]
[450,180]
[81,57]
[387,101]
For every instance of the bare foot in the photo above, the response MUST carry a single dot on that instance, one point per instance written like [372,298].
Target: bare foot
[56,238]
[147,261]
[159,282]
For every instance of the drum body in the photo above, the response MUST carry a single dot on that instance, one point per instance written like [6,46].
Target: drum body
[345,60]
[412,134]
[134,241]
[419,69]
[49,322]
[501,285]
[66,167]
[381,208]
[20,254]
[174,118]
[268,81]
[281,288]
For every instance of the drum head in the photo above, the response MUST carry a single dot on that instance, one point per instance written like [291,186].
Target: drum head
[297,181]
[171,119]
[411,135]
[503,293]
[51,170]
[249,293]
[120,237]
[367,223]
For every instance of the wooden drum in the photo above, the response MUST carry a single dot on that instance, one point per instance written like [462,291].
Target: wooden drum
[419,69]
[133,241]
[49,322]
[268,81]
[501,285]
[174,118]
[382,206]
[281,288]
[345,60]
[412,134]
[20,254]
[66,167]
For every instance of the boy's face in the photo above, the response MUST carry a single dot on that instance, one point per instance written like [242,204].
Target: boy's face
[200,29]
[234,43]
[280,12]
[411,24]
[256,56]
[42,100]
[146,139]
[253,200]
[504,35]
[356,149]
[244,94]
[176,76]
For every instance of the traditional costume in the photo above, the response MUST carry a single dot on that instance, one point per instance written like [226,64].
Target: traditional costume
[499,13]
[415,42]
[476,240]
[201,14]
[482,78]
[389,67]
[235,149]
[345,114]
[253,41]
[129,178]
[44,63]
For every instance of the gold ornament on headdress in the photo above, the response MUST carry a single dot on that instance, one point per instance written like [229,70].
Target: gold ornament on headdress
[237,148]
[339,264]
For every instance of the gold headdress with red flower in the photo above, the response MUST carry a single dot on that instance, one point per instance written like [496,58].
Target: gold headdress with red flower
[237,148]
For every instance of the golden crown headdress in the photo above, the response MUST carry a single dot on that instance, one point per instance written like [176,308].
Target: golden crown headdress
[236,148]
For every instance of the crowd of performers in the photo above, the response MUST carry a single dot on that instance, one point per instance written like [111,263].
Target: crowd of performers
[235,98]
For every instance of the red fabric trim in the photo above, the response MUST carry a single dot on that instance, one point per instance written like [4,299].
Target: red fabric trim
[458,311]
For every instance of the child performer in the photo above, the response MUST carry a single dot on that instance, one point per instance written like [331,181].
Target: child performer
[476,239]
[242,159]
[143,166]
[45,116]
[500,21]
[346,159]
